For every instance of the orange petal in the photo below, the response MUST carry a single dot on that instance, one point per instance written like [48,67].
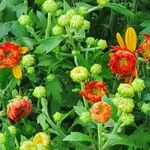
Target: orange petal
[131,39]
[24,50]
[17,72]
[120,40]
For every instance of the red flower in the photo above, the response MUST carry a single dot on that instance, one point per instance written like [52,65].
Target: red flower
[18,109]
[122,62]
[101,112]
[94,91]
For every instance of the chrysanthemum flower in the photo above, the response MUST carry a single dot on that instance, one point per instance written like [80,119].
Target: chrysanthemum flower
[19,108]
[10,55]
[94,91]
[101,112]
[123,59]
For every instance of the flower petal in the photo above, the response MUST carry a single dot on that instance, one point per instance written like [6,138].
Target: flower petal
[24,50]
[120,40]
[131,39]
[17,72]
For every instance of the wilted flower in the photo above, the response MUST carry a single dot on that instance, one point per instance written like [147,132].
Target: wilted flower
[94,91]
[28,145]
[39,92]
[19,108]
[101,112]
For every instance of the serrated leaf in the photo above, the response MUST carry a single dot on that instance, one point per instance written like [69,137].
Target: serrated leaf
[77,136]
[5,28]
[41,119]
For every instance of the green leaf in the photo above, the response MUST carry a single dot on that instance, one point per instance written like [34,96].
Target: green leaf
[41,119]
[121,9]
[5,28]
[42,19]
[146,97]
[3,5]
[49,44]
[80,109]
[77,136]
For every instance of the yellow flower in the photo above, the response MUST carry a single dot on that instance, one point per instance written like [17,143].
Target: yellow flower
[28,145]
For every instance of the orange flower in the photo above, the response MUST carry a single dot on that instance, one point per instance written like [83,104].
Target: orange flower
[101,112]
[18,109]
[10,55]
[123,59]
[94,91]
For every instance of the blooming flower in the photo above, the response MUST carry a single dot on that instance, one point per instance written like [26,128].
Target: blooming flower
[28,145]
[101,111]
[123,59]
[94,91]
[10,55]
[19,108]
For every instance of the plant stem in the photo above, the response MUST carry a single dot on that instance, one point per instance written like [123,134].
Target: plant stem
[47,32]
[100,129]
[93,9]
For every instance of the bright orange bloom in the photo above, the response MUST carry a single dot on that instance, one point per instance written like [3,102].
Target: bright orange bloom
[18,109]
[123,59]
[10,55]
[101,112]
[94,91]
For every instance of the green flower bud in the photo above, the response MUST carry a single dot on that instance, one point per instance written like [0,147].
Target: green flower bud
[85,117]
[28,145]
[75,52]
[127,118]
[96,69]
[125,90]
[102,44]
[63,20]
[12,130]
[28,60]
[39,92]
[90,41]
[50,77]
[50,6]
[2,138]
[59,12]
[83,10]
[77,22]
[86,25]
[57,116]
[39,1]
[70,13]
[30,70]
[24,20]
[79,74]
[138,85]
[57,30]
[102,3]
[146,108]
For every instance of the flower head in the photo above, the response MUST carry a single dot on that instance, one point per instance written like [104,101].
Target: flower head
[19,108]
[94,91]
[39,92]
[28,145]
[101,111]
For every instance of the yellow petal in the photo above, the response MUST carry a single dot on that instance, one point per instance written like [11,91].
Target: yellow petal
[17,72]
[24,50]
[120,40]
[131,39]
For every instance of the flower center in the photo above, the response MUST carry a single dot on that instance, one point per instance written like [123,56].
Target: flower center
[147,51]
[98,91]
[123,62]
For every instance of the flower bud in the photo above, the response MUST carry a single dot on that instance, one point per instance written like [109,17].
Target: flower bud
[59,12]
[28,145]
[85,117]
[24,20]
[125,90]
[77,22]
[57,116]
[86,25]
[50,77]
[63,20]
[102,44]
[70,13]
[83,10]
[2,138]
[127,118]
[75,52]
[102,3]
[28,60]
[39,92]
[57,30]
[138,85]
[90,41]
[79,74]
[12,130]
[41,138]
[30,70]
[146,108]
[96,69]
[50,6]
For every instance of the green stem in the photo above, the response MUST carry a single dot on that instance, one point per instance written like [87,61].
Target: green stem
[100,130]
[47,32]
[93,9]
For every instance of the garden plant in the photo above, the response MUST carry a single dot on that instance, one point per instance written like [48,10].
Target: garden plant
[74,75]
